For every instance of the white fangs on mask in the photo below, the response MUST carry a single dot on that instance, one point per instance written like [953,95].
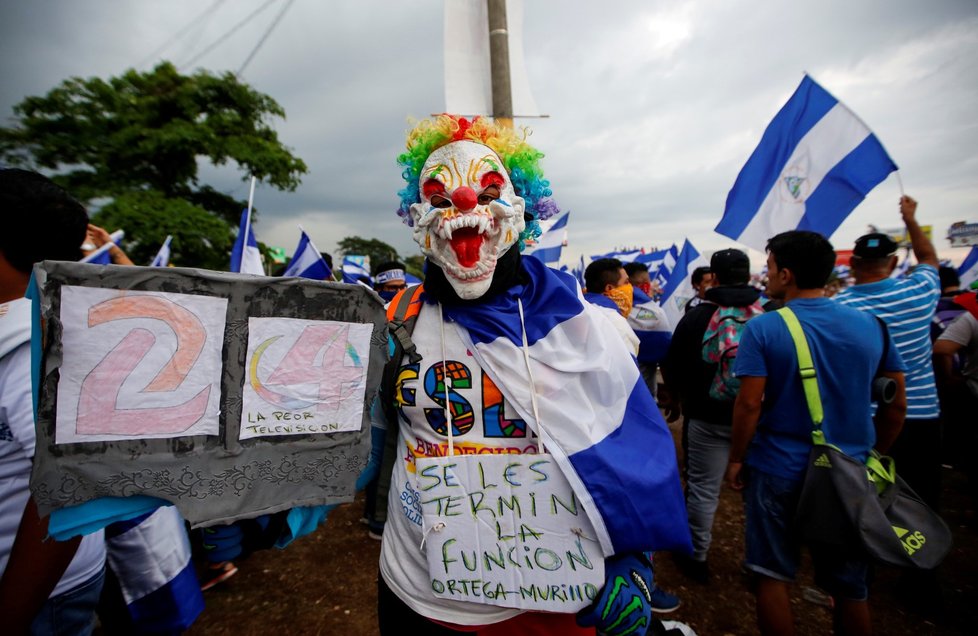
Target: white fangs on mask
[465,164]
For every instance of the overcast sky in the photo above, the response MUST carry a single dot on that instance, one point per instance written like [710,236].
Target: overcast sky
[654,106]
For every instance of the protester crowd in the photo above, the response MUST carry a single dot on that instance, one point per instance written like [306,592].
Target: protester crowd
[728,373]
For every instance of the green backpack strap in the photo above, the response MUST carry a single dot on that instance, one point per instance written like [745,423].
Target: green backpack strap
[806,368]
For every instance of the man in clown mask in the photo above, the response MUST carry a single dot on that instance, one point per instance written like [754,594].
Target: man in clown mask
[506,357]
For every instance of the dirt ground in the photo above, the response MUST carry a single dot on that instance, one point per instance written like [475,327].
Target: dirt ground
[326,583]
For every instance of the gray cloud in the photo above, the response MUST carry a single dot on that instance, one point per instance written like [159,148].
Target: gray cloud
[654,106]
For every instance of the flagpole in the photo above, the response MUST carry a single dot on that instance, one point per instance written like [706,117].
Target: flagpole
[251,200]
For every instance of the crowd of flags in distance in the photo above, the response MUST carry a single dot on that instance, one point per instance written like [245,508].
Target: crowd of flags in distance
[815,162]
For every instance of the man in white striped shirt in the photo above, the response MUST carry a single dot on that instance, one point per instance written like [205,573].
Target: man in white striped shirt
[907,307]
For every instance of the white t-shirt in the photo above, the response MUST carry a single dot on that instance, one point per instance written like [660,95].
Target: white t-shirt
[17,450]
[484,424]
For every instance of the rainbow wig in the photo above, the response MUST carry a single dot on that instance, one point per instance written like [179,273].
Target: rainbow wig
[522,162]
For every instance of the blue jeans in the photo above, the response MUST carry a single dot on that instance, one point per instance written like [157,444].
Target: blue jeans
[71,613]
[773,548]
[708,447]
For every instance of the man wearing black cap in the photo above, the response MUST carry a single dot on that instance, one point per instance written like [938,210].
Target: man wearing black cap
[692,384]
[907,306]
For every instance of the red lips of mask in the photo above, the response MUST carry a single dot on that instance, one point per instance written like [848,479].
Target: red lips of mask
[465,243]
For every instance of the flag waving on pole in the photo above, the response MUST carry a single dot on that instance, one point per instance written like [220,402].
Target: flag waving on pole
[551,241]
[101,256]
[678,289]
[356,268]
[307,262]
[245,257]
[162,258]
[815,163]
[968,272]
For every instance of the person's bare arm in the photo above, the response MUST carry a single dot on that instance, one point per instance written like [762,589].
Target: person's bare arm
[889,417]
[923,249]
[944,352]
[746,413]
[35,566]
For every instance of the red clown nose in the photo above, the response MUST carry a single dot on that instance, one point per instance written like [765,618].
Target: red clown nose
[464,198]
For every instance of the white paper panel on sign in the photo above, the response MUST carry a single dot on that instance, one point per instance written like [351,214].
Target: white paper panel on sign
[304,376]
[507,530]
[138,365]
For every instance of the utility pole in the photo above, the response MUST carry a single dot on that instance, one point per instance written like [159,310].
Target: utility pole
[502,95]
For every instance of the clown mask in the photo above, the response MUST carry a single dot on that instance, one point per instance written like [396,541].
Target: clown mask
[469,214]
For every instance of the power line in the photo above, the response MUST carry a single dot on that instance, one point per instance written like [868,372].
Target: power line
[264,37]
[179,34]
[229,33]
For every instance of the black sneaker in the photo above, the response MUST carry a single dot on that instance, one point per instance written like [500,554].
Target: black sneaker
[697,571]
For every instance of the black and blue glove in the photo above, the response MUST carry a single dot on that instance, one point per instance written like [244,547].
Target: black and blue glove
[624,606]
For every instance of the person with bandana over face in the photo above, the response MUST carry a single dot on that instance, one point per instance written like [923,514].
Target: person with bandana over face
[389,278]
[506,357]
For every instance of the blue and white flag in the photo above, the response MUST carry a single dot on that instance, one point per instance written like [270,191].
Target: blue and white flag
[411,279]
[678,290]
[968,272]
[665,268]
[624,257]
[245,256]
[101,256]
[902,268]
[162,258]
[307,262]
[596,415]
[554,238]
[815,163]
[150,556]
[652,260]
[356,268]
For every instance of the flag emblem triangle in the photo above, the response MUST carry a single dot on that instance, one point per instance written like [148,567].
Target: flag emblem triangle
[794,185]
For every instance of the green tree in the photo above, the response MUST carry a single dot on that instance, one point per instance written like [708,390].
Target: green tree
[415,265]
[378,251]
[137,141]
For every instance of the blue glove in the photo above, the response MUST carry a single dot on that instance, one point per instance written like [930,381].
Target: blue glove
[624,605]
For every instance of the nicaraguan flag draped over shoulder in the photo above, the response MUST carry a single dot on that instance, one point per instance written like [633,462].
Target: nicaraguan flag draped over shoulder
[150,555]
[649,322]
[968,272]
[101,256]
[597,417]
[551,242]
[678,289]
[162,258]
[245,256]
[356,267]
[815,163]
[307,262]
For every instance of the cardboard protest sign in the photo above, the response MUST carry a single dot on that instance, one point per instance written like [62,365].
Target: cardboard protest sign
[145,383]
[507,530]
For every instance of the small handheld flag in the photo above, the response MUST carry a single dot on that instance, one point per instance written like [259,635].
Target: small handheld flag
[678,289]
[101,256]
[815,163]
[245,257]
[162,258]
[968,272]
[307,262]
[356,268]
[552,241]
